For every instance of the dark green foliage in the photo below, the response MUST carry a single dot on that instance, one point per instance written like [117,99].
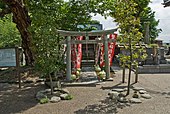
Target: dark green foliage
[149,16]
[146,14]
[2,5]
[47,17]
[9,34]
[44,100]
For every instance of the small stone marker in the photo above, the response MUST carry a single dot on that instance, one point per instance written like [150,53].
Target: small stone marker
[135,100]
[113,94]
[146,96]
[135,95]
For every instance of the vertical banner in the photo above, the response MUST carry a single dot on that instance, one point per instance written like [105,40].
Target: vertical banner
[111,47]
[102,54]
[73,57]
[79,53]
[97,54]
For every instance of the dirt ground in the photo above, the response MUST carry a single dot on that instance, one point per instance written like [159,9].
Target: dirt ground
[88,99]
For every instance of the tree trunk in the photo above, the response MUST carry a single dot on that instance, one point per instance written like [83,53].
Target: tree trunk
[22,20]
[51,84]
[130,63]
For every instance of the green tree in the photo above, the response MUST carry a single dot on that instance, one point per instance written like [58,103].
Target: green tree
[147,15]
[9,35]
[125,15]
[47,17]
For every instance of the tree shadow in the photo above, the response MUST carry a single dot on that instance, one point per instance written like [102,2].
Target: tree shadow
[117,86]
[165,93]
[106,106]
[14,100]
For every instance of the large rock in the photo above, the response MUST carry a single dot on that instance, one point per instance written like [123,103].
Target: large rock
[39,80]
[4,85]
[142,91]
[146,96]
[63,91]
[28,81]
[55,99]
[42,91]
[57,93]
[113,95]
[122,99]
[47,90]
[40,95]
[135,100]
[135,95]
[63,96]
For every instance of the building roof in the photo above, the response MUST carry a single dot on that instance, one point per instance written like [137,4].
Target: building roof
[166,3]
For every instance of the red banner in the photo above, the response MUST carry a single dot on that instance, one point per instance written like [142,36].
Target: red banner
[79,53]
[73,57]
[111,47]
[102,56]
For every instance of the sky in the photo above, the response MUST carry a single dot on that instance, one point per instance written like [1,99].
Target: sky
[161,13]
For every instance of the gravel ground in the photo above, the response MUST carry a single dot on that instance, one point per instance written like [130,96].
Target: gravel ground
[89,100]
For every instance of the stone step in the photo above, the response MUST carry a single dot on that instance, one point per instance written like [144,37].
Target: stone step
[87,63]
